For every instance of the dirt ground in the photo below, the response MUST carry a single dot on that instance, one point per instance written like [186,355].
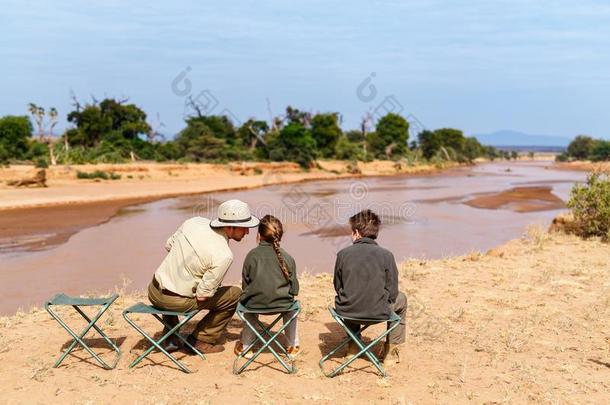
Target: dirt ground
[526,322]
[585,166]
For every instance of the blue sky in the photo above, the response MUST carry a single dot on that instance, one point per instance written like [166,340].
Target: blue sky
[536,66]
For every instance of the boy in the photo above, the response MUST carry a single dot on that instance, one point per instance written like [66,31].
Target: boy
[366,282]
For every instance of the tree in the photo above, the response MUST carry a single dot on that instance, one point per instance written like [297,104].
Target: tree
[451,138]
[15,133]
[472,148]
[293,143]
[326,132]
[38,114]
[96,121]
[601,151]
[581,147]
[345,149]
[198,143]
[295,116]
[390,137]
[252,133]
[430,143]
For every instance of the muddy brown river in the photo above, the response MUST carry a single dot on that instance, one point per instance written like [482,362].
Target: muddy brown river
[452,213]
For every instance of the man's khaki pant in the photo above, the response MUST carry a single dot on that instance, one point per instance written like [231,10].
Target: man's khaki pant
[221,308]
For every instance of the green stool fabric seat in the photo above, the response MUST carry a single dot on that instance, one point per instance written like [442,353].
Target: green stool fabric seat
[266,337]
[141,308]
[392,323]
[76,302]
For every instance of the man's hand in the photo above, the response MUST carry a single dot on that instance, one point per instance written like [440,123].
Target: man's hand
[201,300]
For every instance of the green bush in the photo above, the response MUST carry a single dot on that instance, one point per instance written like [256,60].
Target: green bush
[98,174]
[41,163]
[562,157]
[601,151]
[348,150]
[590,205]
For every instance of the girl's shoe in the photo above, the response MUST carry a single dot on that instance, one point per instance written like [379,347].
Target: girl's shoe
[293,351]
[239,347]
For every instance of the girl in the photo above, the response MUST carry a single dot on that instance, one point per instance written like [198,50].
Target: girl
[269,281]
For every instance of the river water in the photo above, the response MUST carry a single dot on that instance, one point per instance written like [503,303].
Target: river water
[422,216]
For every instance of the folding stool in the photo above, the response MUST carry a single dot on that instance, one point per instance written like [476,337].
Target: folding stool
[392,322]
[141,308]
[271,337]
[76,302]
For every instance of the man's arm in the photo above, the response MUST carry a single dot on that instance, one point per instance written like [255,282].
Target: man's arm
[212,278]
[391,279]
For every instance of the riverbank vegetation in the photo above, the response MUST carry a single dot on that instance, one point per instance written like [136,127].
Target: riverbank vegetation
[115,131]
[584,147]
[590,206]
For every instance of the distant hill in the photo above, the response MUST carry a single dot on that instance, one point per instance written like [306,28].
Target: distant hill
[514,138]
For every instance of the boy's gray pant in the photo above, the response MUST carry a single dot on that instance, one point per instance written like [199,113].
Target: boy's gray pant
[398,335]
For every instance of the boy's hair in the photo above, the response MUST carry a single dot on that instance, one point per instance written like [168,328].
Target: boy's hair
[367,223]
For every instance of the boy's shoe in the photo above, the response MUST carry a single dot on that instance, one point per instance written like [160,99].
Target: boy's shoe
[293,351]
[239,347]
[391,354]
[172,344]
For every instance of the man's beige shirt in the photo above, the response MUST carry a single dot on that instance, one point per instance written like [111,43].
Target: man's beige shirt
[198,259]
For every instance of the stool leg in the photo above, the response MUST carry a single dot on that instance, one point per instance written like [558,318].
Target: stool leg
[266,343]
[102,334]
[177,333]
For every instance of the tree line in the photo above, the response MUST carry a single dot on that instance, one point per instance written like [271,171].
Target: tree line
[584,147]
[114,131]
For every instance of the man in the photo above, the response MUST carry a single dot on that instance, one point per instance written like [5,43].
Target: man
[366,283]
[189,277]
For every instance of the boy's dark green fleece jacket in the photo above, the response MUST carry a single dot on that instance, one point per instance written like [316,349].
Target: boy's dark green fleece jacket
[263,283]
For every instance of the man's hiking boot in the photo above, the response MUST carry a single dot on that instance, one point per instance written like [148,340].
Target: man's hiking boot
[203,347]
[391,354]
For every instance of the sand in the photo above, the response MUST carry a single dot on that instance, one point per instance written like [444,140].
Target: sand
[519,199]
[151,181]
[510,326]
[584,166]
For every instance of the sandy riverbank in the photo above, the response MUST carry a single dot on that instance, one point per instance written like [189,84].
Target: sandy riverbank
[509,326]
[151,181]
[584,166]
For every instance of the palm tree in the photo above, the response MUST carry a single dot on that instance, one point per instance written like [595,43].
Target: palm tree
[38,113]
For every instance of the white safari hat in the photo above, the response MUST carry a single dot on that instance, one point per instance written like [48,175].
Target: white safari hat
[234,213]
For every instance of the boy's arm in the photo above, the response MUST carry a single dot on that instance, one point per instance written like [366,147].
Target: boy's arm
[337,278]
[392,279]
